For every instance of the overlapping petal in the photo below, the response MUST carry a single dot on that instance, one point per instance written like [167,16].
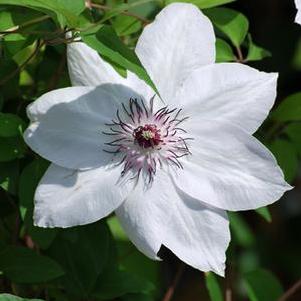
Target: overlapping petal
[230,92]
[180,40]
[230,169]
[87,68]
[197,233]
[66,124]
[66,198]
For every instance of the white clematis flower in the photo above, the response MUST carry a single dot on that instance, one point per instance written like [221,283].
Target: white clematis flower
[169,170]
[298,16]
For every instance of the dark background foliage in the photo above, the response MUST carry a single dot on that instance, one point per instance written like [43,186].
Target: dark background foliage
[97,262]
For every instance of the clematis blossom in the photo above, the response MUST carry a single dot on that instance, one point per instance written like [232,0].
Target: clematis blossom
[170,166]
[298,16]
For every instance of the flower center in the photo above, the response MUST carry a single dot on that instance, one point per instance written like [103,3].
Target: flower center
[147,136]
[145,140]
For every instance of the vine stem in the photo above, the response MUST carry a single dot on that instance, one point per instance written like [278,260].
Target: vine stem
[291,291]
[26,24]
[170,291]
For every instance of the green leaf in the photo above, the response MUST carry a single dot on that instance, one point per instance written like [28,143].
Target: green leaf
[224,52]
[116,229]
[265,213]
[289,109]
[9,174]
[22,265]
[10,87]
[29,180]
[140,7]
[203,3]
[286,155]
[138,264]
[110,47]
[10,125]
[1,98]
[213,287]
[297,56]
[7,208]
[241,231]
[137,297]
[117,283]
[13,18]
[255,52]
[8,297]
[65,12]
[11,148]
[43,237]
[126,25]
[230,22]
[262,285]
[83,252]
[293,131]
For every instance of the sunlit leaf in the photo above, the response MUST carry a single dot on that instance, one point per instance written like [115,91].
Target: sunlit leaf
[224,52]
[231,22]
[126,25]
[255,52]
[64,11]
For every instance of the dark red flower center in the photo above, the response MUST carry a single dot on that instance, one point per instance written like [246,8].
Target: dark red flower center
[147,136]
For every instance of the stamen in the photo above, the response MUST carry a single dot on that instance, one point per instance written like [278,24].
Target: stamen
[145,141]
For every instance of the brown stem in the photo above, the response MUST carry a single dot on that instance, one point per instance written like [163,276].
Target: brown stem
[126,13]
[240,58]
[21,67]
[170,291]
[228,294]
[291,291]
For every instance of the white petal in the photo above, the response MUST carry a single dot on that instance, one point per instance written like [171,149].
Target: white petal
[230,169]
[298,16]
[66,197]
[230,92]
[180,40]
[66,124]
[196,233]
[87,68]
